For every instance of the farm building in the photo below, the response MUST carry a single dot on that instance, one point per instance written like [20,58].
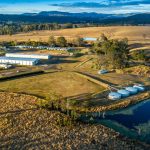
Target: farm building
[59,48]
[45,47]
[19,61]
[89,39]
[36,56]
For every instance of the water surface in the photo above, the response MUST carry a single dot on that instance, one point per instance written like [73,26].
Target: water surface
[133,121]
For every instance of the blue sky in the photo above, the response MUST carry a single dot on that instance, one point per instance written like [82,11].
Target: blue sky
[99,6]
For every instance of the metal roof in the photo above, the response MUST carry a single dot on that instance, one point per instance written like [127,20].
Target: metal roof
[18,58]
[27,54]
[89,39]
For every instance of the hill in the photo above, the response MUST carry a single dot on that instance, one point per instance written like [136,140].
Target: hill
[137,19]
[80,15]
[133,33]
[65,17]
[24,126]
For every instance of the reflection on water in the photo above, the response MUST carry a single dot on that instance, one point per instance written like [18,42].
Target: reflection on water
[133,122]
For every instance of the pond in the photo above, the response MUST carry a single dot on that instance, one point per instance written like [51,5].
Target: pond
[133,122]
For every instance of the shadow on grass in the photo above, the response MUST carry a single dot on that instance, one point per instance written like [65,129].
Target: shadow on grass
[137,45]
[88,100]
[60,61]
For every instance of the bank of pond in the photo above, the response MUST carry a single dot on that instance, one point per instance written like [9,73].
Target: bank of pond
[132,122]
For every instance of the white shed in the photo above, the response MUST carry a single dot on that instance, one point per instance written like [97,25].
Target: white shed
[19,61]
[22,55]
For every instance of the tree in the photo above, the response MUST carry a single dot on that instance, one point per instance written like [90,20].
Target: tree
[54,100]
[139,55]
[144,36]
[114,52]
[79,41]
[13,43]
[103,37]
[61,41]
[51,41]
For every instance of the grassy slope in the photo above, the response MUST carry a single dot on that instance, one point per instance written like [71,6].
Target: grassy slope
[131,32]
[24,127]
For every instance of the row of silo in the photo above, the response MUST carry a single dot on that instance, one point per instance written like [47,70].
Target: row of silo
[126,92]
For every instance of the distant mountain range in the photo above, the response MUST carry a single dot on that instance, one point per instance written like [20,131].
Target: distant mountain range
[81,15]
[66,17]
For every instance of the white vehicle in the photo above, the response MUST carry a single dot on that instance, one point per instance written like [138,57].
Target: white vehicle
[103,71]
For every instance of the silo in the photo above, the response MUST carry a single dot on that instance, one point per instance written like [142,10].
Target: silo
[140,88]
[132,90]
[124,93]
[114,96]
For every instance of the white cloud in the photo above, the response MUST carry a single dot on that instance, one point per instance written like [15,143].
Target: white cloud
[44,6]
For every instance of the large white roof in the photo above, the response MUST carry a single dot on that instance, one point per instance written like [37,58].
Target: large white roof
[18,58]
[28,54]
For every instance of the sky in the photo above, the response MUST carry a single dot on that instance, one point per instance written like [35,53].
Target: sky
[99,6]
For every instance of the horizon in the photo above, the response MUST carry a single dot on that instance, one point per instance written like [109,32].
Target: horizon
[75,6]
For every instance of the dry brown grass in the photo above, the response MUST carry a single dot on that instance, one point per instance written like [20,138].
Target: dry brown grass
[133,33]
[139,70]
[22,127]
[62,83]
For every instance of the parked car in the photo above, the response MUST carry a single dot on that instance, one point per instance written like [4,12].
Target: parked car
[103,71]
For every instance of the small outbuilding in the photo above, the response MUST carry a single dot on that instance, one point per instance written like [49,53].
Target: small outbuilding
[89,39]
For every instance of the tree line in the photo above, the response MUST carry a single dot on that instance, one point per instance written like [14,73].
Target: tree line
[52,42]
[13,28]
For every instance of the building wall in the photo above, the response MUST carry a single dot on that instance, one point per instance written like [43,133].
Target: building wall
[22,62]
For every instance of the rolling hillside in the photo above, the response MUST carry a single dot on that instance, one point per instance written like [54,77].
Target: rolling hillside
[133,33]
[64,17]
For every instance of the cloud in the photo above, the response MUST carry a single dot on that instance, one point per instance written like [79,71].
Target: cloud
[106,3]
[81,4]
[99,6]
